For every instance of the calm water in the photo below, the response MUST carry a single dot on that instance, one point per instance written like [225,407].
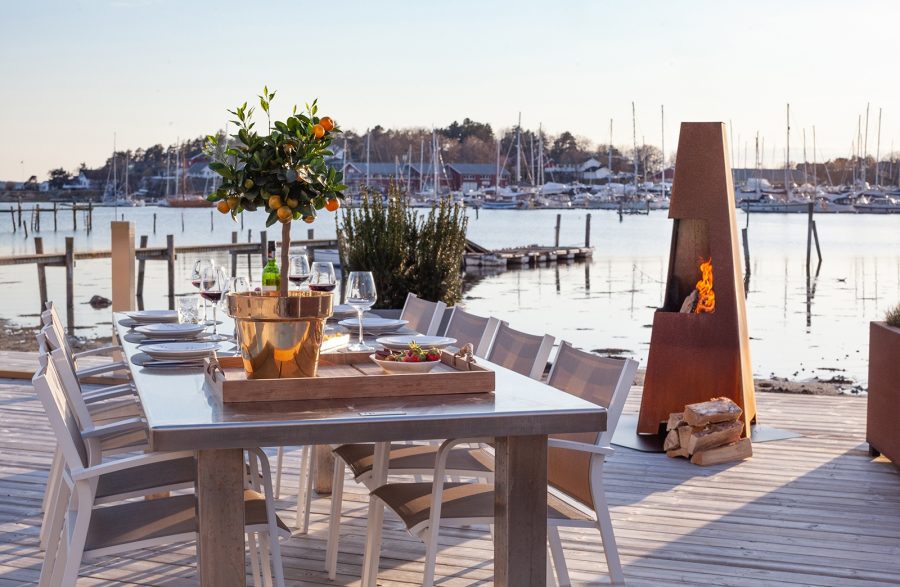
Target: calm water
[795,331]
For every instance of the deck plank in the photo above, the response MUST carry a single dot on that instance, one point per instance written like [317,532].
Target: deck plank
[814,510]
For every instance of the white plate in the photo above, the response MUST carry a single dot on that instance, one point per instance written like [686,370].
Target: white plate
[180,350]
[401,342]
[170,330]
[400,367]
[340,311]
[148,316]
[374,325]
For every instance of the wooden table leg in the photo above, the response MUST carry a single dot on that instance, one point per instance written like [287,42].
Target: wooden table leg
[520,512]
[324,469]
[220,510]
[375,518]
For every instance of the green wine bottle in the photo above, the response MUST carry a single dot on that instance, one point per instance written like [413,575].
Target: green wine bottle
[271,276]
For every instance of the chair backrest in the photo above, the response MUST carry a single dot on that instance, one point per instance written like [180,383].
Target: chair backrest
[599,380]
[469,328]
[424,316]
[50,317]
[518,351]
[65,426]
[48,346]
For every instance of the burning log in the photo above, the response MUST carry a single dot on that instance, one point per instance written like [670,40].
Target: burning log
[690,303]
[707,433]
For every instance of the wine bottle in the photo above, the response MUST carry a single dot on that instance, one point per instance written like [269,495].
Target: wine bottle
[271,276]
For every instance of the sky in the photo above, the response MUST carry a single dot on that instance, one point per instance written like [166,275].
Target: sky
[76,73]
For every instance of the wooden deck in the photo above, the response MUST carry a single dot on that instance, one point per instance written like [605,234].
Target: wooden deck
[815,510]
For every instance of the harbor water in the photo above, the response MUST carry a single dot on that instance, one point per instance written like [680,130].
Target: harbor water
[799,327]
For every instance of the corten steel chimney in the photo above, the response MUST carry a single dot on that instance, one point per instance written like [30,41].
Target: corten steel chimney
[695,357]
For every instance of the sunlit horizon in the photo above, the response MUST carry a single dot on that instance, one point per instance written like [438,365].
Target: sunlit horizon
[154,71]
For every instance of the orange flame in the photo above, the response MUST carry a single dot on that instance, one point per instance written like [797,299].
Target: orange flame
[706,301]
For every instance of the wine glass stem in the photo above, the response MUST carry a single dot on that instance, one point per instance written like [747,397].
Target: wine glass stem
[215,322]
[359,313]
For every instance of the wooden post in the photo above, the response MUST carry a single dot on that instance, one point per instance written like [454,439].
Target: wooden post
[12,216]
[234,239]
[141,263]
[90,218]
[558,220]
[746,242]
[816,238]
[122,265]
[170,266]
[323,469]
[36,217]
[74,217]
[310,234]
[249,256]
[587,230]
[263,247]
[211,218]
[54,216]
[70,285]
[20,213]
[42,272]
[809,229]
[154,223]
[220,513]
[182,221]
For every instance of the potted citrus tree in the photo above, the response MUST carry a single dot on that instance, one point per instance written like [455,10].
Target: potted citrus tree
[282,172]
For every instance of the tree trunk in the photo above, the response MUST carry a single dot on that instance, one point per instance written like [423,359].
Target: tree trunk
[285,257]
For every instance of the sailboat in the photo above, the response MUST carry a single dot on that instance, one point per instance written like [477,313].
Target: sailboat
[111,196]
[184,199]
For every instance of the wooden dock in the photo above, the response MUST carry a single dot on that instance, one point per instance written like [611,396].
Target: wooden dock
[814,510]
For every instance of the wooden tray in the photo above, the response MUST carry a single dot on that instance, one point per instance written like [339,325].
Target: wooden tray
[345,376]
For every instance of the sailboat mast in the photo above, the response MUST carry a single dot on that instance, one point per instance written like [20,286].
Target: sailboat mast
[541,153]
[634,139]
[409,170]
[878,150]
[497,178]
[866,146]
[787,155]
[609,152]
[805,170]
[662,130]
[168,168]
[115,177]
[757,166]
[368,137]
[519,150]
[434,164]
[421,163]
[815,169]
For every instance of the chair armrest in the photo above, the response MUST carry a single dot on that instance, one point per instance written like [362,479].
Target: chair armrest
[99,351]
[127,425]
[98,395]
[99,369]
[580,446]
[128,463]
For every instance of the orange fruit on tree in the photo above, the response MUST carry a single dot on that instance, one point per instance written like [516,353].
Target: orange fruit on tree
[223,207]
[292,202]
[233,202]
[309,219]
[284,214]
[275,202]
[318,131]
[332,205]
[327,123]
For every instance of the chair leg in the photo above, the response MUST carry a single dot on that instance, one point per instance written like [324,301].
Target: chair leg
[301,485]
[52,495]
[55,551]
[551,578]
[310,486]
[559,557]
[334,519]
[254,559]
[430,556]
[265,559]
[604,522]
[279,464]
[77,537]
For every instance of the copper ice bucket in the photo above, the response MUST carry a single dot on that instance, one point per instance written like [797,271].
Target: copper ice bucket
[280,337]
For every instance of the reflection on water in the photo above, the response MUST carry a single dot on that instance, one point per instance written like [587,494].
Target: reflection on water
[799,326]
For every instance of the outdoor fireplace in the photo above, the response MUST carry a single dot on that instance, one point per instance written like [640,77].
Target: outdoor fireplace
[699,347]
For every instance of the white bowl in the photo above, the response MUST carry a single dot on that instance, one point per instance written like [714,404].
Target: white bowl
[401,342]
[400,367]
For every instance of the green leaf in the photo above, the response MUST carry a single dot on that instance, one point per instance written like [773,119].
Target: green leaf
[272,219]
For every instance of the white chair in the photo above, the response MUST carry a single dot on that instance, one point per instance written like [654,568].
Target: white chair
[79,529]
[575,472]
[51,317]
[424,317]
[418,459]
[471,329]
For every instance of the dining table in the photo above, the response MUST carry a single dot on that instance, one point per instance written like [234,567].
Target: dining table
[183,412]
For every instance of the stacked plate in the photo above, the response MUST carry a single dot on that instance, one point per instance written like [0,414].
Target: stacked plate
[401,342]
[373,325]
[180,351]
[171,330]
[342,311]
[153,316]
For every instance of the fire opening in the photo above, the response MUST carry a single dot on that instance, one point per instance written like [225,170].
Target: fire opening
[706,299]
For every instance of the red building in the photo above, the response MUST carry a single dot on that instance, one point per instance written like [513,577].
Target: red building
[472,176]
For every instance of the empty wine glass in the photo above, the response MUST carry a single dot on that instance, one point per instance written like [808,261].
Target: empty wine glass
[213,283]
[321,276]
[236,285]
[298,271]
[199,266]
[361,295]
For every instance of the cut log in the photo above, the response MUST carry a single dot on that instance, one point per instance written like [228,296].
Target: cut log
[714,435]
[690,303]
[676,419]
[735,451]
[678,452]
[716,410]
[684,437]
[671,442]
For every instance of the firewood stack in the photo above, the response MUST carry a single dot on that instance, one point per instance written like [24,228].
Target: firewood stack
[708,433]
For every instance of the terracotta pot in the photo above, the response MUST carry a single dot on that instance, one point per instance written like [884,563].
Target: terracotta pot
[280,337]
[882,428]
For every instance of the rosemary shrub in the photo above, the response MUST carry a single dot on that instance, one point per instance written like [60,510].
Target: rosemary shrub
[405,251]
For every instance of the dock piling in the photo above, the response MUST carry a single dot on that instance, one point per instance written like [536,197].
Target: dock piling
[587,230]
[558,221]
[170,266]
[141,263]
[70,285]
[234,239]
[55,210]
[42,273]
[154,223]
